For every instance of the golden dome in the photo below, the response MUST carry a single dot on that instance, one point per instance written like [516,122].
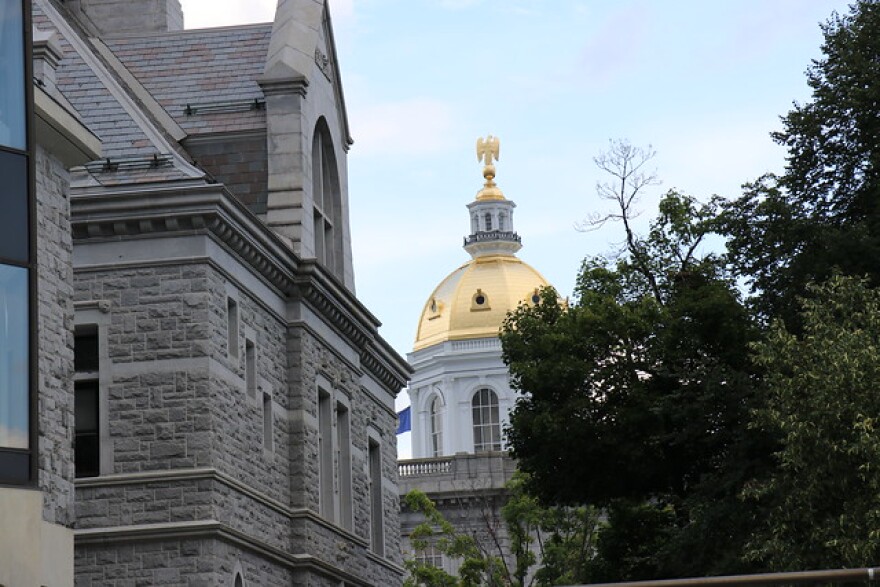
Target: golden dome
[473,300]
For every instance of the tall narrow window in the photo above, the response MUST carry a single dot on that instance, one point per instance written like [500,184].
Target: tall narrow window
[436,426]
[14,365]
[487,426]
[377,515]
[232,327]
[343,464]
[267,421]
[325,453]
[17,258]
[488,221]
[502,221]
[87,442]
[250,367]
[327,196]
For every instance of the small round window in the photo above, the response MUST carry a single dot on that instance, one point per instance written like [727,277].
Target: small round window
[480,301]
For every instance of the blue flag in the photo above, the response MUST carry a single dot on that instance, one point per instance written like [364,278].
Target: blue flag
[404,420]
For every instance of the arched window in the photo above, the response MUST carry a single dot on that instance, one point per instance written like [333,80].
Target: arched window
[488,221]
[239,582]
[502,221]
[487,424]
[327,197]
[436,426]
[475,223]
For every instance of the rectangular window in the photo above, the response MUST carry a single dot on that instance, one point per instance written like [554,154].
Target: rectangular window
[325,453]
[430,556]
[86,440]
[14,241]
[250,367]
[17,262]
[232,327]
[14,358]
[267,421]
[86,390]
[377,515]
[343,464]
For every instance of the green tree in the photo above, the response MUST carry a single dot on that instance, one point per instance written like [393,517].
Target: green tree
[823,497]
[823,213]
[636,398]
[545,545]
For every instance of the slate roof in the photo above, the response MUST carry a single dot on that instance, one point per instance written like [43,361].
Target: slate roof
[98,109]
[213,71]
[106,108]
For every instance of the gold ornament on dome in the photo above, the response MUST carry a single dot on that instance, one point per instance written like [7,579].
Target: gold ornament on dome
[488,151]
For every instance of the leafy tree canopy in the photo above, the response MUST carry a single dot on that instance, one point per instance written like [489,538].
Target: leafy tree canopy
[639,392]
[544,545]
[823,496]
[822,213]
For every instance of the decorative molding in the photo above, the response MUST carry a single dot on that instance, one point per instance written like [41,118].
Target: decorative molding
[323,63]
[187,207]
[218,530]
[283,86]
[211,474]
[102,306]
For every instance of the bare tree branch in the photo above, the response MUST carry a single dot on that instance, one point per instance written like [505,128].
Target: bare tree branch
[627,166]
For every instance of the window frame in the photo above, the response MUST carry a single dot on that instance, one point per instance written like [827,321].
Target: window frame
[491,426]
[7,477]
[435,416]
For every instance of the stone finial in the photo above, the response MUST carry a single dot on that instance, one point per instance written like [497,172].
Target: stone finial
[47,56]
[295,34]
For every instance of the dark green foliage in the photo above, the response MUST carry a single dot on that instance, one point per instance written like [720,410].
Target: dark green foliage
[823,497]
[822,213]
[640,392]
[713,447]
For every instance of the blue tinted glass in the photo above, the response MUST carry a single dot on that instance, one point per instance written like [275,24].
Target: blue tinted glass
[12,88]
[13,357]
[13,205]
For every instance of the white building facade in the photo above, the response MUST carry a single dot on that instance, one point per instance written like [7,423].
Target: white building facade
[460,391]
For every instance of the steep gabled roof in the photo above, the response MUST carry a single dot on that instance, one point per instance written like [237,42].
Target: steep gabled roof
[204,79]
[127,131]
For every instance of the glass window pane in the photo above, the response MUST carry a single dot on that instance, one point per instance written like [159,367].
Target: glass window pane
[14,240]
[86,440]
[12,90]
[14,397]
[85,352]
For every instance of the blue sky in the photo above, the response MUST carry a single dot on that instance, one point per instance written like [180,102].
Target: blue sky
[703,82]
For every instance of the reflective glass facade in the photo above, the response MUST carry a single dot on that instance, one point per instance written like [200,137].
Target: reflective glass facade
[14,363]
[17,270]
[13,126]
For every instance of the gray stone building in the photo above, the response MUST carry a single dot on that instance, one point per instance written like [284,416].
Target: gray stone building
[229,398]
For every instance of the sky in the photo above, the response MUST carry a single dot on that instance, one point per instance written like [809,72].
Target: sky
[703,82]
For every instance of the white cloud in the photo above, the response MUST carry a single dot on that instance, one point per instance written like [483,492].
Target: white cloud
[213,13]
[416,126]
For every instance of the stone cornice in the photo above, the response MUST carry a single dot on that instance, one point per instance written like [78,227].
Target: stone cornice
[328,297]
[219,530]
[191,207]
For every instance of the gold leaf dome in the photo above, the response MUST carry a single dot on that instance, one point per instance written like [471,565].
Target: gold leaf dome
[473,300]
